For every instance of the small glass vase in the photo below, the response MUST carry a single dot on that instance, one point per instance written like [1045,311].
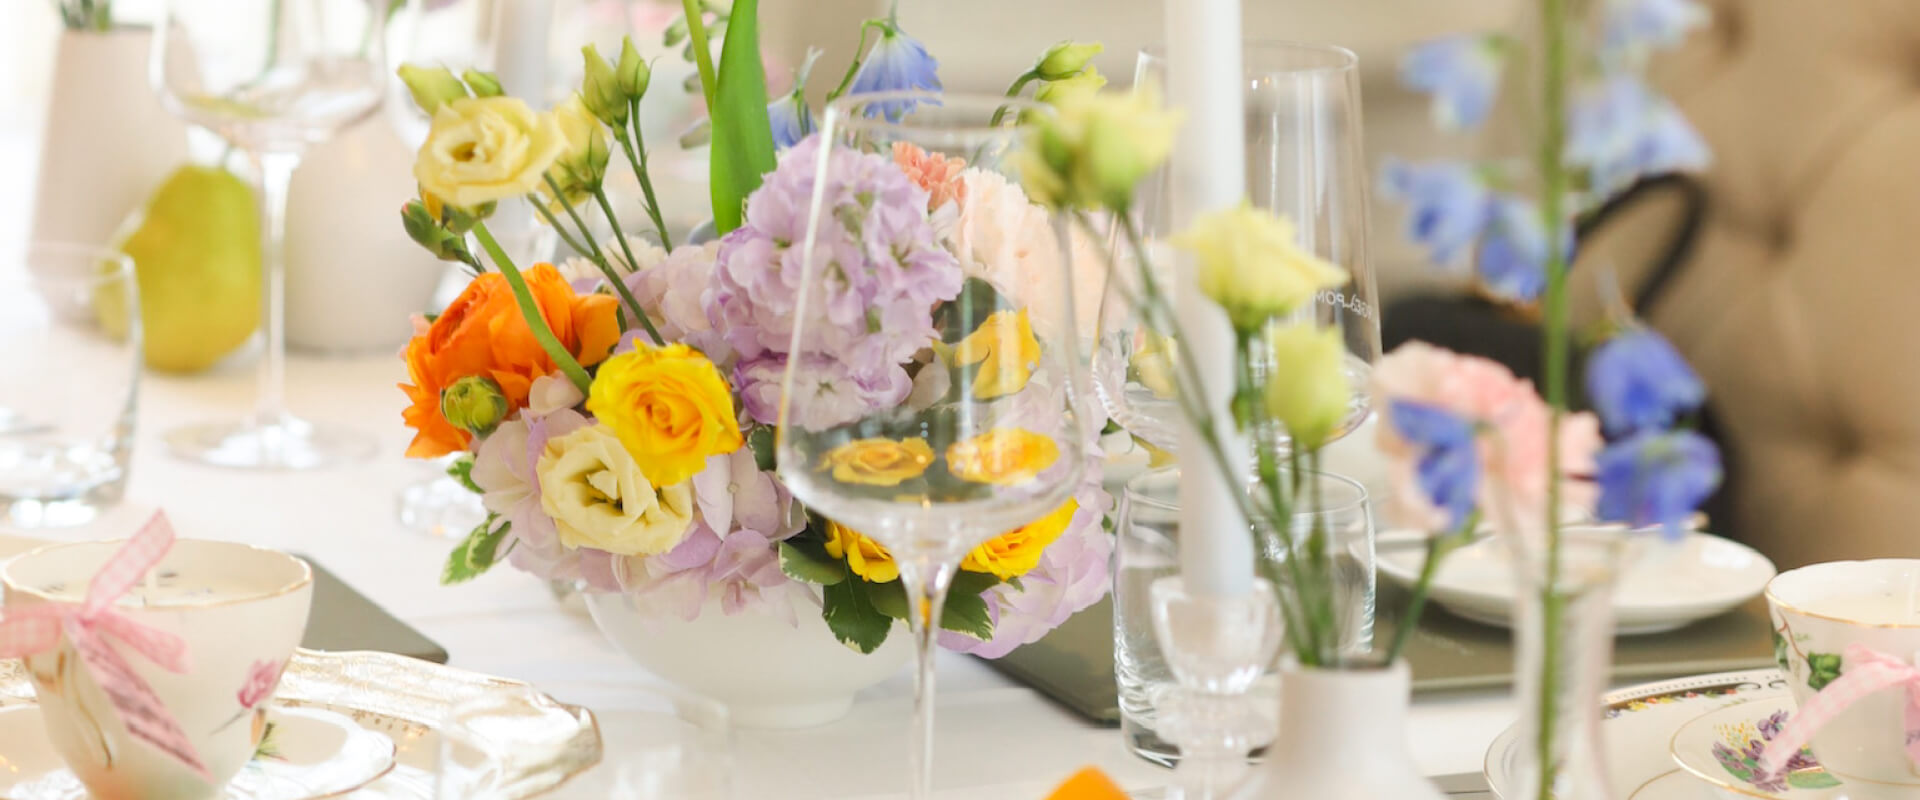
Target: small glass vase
[1563,626]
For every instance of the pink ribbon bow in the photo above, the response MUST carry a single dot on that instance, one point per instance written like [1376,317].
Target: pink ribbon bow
[33,629]
[1868,671]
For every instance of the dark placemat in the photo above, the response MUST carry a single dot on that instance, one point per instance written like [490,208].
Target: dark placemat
[343,620]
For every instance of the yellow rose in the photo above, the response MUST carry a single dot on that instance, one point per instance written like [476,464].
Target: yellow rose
[1006,351]
[597,497]
[1252,264]
[1003,457]
[878,462]
[866,557]
[1308,389]
[484,149]
[1017,551]
[669,406]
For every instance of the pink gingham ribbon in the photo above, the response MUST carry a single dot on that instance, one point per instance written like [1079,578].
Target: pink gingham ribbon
[1868,671]
[33,629]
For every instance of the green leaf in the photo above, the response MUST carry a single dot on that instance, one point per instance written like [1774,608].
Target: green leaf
[889,598]
[461,470]
[850,614]
[808,562]
[761,441]
[965,612]
[475,554]
[742,135]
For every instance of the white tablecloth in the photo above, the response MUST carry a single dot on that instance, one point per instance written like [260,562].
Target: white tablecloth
[997,739]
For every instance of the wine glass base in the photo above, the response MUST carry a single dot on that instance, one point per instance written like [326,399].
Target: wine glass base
[440,508]
[286,443]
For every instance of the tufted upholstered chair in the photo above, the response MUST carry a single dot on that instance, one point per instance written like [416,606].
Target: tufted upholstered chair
[1800,301]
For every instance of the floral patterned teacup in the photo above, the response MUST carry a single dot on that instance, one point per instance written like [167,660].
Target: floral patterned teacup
[240,612]
[1818,611]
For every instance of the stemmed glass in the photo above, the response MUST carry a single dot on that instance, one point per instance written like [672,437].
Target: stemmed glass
[1000,443]
[1305,163]
[273,78]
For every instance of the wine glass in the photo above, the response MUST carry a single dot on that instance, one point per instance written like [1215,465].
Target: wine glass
[272,78]
[1304,162]
[995,375]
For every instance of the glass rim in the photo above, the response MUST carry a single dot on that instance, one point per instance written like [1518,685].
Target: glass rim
[841,115]
[98,256]
[1345,60]
[1143,497]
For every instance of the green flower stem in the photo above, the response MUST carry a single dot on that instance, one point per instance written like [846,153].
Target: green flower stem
[1019,85]
[540,207]
[702,51]
[859,57]
[620,286]
[1554,185]
[637,158]
[531,311]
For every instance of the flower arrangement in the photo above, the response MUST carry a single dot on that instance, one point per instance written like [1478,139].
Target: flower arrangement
[615,411]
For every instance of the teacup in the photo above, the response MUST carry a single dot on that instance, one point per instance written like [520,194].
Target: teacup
[240,610]
[1818,611]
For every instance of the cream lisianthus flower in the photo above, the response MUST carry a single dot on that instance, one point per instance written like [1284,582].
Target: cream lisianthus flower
[597,497]
[1308,390]
[1252,264]
[484,149]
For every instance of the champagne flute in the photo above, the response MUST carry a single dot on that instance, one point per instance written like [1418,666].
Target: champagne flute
[272,78]
[996,382]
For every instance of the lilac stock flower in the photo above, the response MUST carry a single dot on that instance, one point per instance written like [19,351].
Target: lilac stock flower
[1621,130]
[897,62]
[1637,382]
[1461,72]
[830,394]
[1656,478]
[1513,256]
[1449,204]
[673,293]
[1632,27]
[1448,470]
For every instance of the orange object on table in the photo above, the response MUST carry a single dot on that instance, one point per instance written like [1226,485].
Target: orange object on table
[1088,784]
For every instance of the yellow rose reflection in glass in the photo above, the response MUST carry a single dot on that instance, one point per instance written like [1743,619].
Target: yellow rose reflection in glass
[1005,350]
[879,461]
[1009,555]
[1002,457]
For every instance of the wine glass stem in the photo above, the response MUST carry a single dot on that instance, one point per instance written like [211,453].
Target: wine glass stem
[926,581]
[276,177]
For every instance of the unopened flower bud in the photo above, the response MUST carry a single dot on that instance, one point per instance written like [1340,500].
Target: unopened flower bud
[483,84]
[474,404]
[431,87]
[1066,59]
[632,72]
[1085,83]
[424,228]
[601,89]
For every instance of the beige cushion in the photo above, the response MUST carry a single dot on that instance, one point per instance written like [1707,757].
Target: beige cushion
[1801,306]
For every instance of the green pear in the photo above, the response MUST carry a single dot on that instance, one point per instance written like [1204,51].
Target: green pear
[196,254]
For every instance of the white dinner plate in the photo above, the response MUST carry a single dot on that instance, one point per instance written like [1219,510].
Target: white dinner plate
[1663,585]
[1637,728]
[307,753]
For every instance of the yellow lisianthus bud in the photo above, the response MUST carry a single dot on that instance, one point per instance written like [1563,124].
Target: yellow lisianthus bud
[632,73]
[1002,456]
[1308,389]
[866,557]
[879,462]
[670,408]
[1096,148]
[1005,349]
[483,84]
[484,149]
[474,404]
[1018,551]
[431,87]
[1084,84]
[1066,59]
[601,89]
[425,228]
[1252,264]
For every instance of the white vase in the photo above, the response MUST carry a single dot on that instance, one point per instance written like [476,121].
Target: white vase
[1343,736]
[353,276]
[107,142]
[769,674]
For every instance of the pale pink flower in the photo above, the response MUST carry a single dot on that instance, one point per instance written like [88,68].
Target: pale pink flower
[1007,240]
[934,172]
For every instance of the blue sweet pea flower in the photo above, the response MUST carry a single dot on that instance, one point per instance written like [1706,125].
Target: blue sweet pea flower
[1632,27]
[1513,256]
[1622,130]
[1461,72]
[1639,382]
[791,120]
[897,62]
[1656,478]
[1449,204]
[1449,467]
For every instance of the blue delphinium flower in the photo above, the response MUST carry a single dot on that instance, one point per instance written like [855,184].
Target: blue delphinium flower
[1656,478]
[1461,72]
[791,119]
[1449,467]
[1638,382]
[1448,204]
[1632,27]
[1621,130]
[1513,256]
[897,62]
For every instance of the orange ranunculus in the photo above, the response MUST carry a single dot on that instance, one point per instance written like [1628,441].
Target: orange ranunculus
[483,333]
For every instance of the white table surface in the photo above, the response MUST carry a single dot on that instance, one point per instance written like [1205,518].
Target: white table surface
[997,739]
